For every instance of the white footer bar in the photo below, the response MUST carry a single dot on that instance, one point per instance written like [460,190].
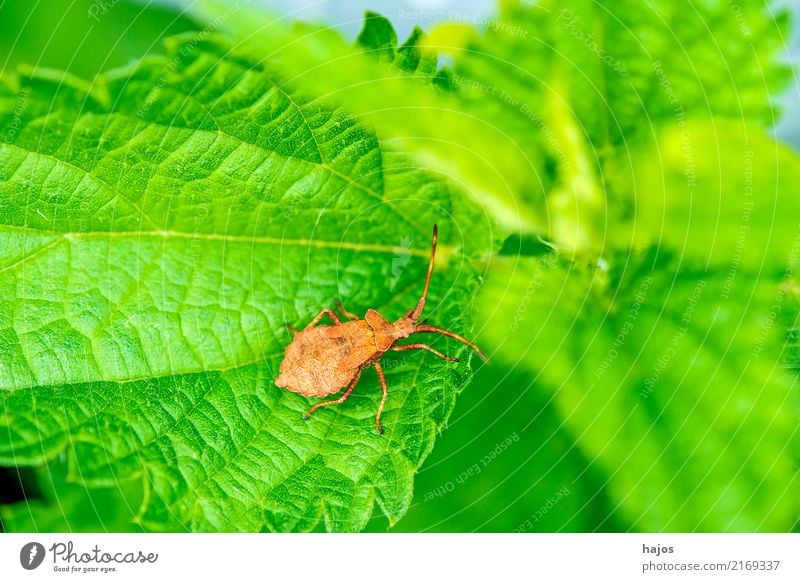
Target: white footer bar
[401,557]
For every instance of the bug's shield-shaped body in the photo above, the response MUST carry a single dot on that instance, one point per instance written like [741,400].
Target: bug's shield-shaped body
[322,360]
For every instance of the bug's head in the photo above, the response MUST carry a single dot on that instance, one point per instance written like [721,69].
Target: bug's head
[404,327]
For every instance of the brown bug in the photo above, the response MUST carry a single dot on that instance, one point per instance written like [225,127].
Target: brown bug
[324,359]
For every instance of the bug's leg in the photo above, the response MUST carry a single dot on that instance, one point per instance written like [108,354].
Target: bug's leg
[424,328]
[408,347]
[329,312]
[339,400]
[292,329]
[343,311]
[385,390]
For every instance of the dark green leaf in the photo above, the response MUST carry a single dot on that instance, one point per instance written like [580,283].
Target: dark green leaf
[378,36]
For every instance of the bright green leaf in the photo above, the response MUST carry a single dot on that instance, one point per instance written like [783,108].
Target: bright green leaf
[508,463]
[718,192]
[547,94]
[68,506]
[666,375]
[413,56]
[378,36]
[161,232]
[85,37]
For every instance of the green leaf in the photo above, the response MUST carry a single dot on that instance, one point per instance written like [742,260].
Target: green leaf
[159,232]
[508,463]
[714,191]
[634,134]
[413,57]
[666,375]
[548,94]
[444,131]
[595,79]
[378,36]
[68,506]
[666,366]
[85,37]
[626,68]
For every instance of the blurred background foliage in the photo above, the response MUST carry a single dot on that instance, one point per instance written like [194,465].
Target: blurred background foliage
[84,37]
[642,312]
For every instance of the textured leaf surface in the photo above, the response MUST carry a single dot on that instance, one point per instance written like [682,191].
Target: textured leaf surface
[158,233]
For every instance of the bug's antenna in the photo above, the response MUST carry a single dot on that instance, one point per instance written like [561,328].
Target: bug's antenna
[463,340]
[421,305]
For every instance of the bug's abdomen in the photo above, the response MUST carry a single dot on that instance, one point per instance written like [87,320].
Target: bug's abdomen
[324,359]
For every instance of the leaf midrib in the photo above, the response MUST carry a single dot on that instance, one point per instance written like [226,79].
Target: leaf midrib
[443,251]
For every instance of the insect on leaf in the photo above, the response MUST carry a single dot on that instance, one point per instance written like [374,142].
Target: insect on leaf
[157,235]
